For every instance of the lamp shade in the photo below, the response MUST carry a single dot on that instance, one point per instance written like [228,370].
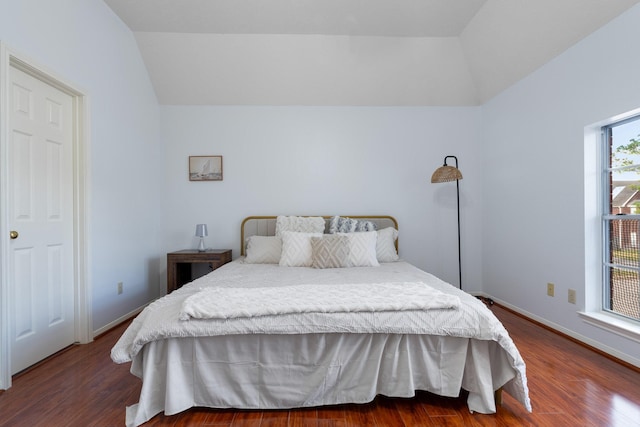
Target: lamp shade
[446,173]
[201,230]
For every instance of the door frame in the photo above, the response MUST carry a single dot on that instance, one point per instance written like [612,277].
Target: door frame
[82,283]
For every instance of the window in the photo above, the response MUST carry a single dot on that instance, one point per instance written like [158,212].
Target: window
[621,219]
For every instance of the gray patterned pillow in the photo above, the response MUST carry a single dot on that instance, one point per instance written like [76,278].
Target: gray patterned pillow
[330,251]
[349,225]
[363,225]
[342,225]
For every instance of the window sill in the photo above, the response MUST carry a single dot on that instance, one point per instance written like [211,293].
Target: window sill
[612,323]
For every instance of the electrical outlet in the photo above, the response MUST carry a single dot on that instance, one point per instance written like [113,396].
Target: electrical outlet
[572,296]
[120,288]
[551,289]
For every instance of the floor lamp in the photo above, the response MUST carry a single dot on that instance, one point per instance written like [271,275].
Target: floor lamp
[446,173]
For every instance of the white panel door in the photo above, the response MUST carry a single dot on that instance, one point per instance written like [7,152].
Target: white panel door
[41,278]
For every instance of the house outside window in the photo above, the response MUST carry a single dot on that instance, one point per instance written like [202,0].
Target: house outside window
[621,218]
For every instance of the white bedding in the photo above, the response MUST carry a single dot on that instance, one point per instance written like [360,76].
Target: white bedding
[227,303]
[465,347]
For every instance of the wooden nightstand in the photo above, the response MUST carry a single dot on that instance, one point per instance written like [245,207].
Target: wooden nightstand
[179,264]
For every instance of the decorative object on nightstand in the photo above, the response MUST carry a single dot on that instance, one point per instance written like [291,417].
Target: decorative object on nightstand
[180,263]
[446,173]
[201,232]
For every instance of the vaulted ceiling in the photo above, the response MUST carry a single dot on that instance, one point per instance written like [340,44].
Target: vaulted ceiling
[352,52]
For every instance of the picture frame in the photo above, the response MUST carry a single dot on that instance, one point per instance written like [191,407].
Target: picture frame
[205,168]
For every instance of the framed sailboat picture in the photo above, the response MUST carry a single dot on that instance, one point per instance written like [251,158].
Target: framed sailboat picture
[205,168]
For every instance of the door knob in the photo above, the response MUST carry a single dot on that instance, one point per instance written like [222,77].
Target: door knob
[13,234]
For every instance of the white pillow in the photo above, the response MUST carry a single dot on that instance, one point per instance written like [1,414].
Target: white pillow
[263,250]
[362,249]
[300,224]
[296,249]
[385,245]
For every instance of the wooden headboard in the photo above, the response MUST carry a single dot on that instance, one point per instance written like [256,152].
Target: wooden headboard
[266,225]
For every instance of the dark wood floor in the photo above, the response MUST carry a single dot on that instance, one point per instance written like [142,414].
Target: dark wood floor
[569,386]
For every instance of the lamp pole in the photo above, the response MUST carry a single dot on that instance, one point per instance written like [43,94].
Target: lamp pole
[458,205]
[447,173]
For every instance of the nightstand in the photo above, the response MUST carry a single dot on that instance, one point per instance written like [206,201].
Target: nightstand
[179,264]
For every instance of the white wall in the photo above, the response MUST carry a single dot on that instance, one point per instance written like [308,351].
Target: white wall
[329,161]
[86,44]
[534,221]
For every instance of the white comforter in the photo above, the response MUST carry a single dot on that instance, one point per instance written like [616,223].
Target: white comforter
[470,320]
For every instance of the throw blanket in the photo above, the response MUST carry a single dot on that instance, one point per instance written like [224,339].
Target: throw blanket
[229,303]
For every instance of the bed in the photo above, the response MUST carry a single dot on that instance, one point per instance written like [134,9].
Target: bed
[274,329]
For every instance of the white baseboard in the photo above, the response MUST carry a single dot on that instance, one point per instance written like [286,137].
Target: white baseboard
[119,320]
[595,344]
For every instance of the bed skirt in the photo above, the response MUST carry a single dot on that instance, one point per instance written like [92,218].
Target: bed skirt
[291,371]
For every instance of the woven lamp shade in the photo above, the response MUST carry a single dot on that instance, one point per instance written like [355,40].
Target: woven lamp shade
[446,173]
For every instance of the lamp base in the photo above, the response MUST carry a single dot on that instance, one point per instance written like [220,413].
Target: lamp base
[201,247]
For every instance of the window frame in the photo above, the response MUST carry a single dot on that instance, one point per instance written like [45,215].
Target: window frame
[607,217]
